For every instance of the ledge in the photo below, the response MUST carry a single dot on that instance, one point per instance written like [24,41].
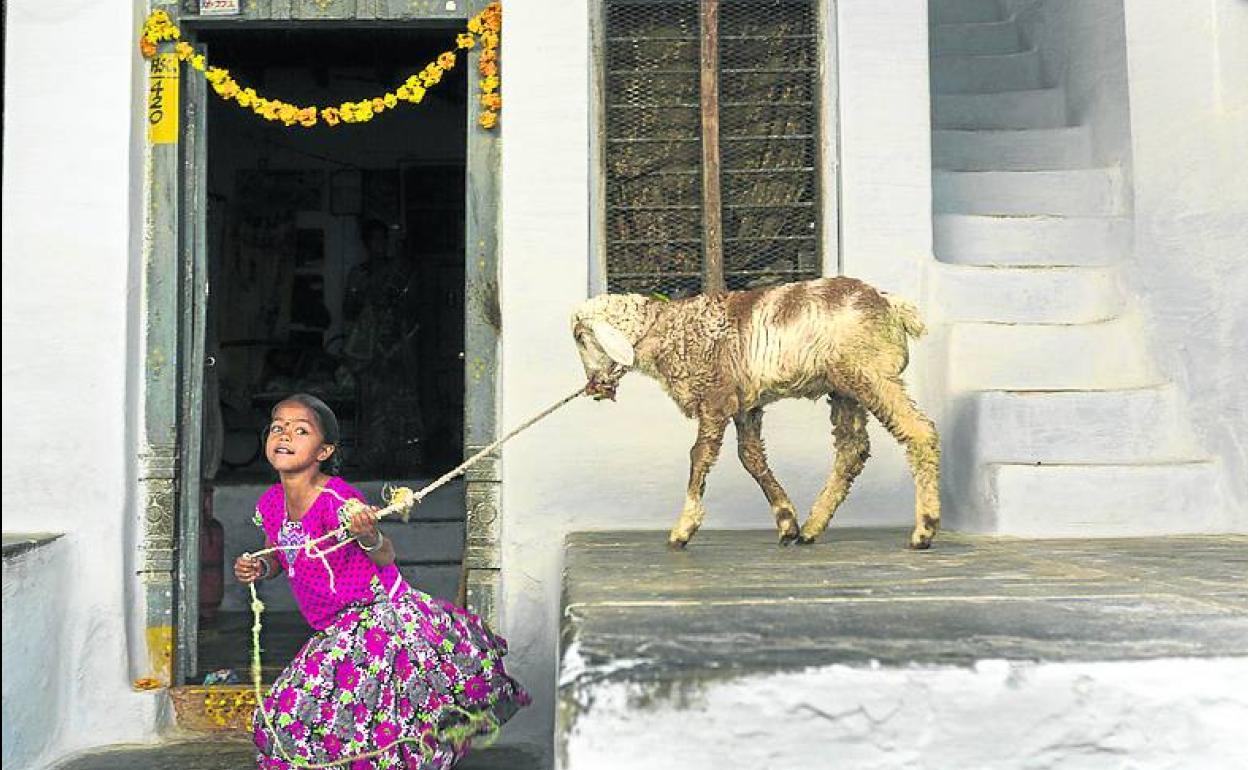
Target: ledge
[17,543]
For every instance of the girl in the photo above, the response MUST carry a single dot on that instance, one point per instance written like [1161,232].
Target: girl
[389,668]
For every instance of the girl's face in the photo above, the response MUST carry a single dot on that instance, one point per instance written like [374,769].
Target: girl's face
[295,442]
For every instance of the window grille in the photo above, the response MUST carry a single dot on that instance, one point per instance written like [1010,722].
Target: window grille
[679,134]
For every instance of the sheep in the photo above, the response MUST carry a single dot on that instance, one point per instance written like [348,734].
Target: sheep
[728,355]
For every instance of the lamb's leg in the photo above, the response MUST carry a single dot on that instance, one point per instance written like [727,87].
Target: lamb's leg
[888,401]
[753,456]
[849,431]
[701,458]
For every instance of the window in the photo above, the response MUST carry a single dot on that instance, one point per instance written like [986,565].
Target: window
[710,142]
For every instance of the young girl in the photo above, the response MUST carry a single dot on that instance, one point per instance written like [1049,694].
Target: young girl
[389,668]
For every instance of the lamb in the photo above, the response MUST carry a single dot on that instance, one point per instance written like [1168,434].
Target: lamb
[728,355]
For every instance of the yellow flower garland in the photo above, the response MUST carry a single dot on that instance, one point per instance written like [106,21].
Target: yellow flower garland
[485,28]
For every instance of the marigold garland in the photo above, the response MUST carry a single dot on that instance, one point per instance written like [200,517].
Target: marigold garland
[485,28]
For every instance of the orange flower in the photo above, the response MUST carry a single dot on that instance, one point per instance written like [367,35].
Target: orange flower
[487,68]
[147,47]
[446,60]
[379,104]
[492,101]
[330,115]
[287,113]
[431,75]
[307,117]
[492,17]
[488,119]
[490,56]
[489,40]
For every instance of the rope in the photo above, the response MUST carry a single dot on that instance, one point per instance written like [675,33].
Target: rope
[401,501]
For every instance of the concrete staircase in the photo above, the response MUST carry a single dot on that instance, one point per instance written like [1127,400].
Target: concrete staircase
[1061,422]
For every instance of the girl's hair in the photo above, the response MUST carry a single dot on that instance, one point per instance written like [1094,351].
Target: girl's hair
[326,420]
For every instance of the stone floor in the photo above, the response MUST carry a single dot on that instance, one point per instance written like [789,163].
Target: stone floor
[735,601]
[859,653]
[233,753]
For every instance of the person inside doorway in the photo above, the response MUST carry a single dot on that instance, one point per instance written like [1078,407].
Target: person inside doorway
[380,310]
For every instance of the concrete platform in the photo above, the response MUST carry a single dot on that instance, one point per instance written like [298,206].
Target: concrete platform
[856,652]
[217,753]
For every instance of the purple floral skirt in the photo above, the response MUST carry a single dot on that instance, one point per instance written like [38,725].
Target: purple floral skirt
[415,677]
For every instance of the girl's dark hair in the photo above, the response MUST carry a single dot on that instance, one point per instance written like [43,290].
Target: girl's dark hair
[326,420]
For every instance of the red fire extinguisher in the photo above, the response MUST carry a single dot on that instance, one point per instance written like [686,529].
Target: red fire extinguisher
[211,560]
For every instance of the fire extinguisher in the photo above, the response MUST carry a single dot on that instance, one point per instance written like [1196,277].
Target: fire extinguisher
[211,560]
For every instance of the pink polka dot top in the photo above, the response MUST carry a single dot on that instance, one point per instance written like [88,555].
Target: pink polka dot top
[356,580]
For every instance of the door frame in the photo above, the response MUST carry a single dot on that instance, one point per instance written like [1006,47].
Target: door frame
[175,297]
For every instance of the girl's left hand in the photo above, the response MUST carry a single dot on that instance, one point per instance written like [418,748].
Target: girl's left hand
[363,524]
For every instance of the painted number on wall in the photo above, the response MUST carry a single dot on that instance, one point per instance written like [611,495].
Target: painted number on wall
[162,99]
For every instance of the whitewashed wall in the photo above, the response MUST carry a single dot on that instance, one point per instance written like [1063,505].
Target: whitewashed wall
[72,186]
[1188,78]
[36,663]
[624,465]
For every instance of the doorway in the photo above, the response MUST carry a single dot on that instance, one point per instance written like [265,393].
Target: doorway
[336,266]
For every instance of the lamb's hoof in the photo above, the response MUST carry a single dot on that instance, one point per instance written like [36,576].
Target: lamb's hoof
[804,540]
[677,545]
[920,542]
[789,538]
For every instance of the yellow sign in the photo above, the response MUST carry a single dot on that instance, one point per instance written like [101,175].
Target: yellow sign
[162,99]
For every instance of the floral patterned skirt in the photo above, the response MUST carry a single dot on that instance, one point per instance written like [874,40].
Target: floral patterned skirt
[414,678]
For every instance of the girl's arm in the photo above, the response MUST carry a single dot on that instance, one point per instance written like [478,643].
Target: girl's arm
[250,569]
[370,539]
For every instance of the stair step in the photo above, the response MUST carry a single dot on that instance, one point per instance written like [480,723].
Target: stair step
[1105,500]
[1099,356]
[1039,149]
[975,38]
[1050,295]
[1137,425]
[961,11]
[1035,108]
[1074,192]
[975,239]
[992,73]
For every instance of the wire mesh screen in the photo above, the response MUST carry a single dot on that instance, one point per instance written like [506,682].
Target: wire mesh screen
[769,140]
[768,85]
[653,148]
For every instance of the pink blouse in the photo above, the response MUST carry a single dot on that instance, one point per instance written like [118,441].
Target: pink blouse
[356,580]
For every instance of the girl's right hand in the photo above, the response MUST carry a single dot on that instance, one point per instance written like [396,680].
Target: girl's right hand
[248,569]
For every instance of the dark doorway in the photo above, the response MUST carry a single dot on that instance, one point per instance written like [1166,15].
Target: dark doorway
[336,267]
[337,253]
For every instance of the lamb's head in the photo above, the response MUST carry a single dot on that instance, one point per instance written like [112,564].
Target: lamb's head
[606,328]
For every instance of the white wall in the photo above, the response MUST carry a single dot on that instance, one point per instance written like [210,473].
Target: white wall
[68,305]
[36,663]
[1189,127]
[624,465]
[1145,715]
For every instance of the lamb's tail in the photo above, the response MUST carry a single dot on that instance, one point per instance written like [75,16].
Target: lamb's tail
[907,315]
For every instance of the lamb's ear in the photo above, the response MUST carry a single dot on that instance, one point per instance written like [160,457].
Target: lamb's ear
[613,342]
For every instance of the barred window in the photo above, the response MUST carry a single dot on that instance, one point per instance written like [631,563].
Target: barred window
[711,144]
